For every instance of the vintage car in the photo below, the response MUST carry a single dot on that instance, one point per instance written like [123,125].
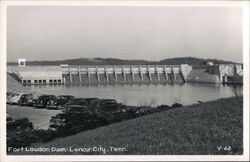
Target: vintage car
[17,130]
[34,102]
[77,105]
[35,98]
[43,101]
[17,124]
[9,95]
[26,100]
[15,98]
[106,105]
[76,109]
[75,122]
[109,109]
[59,101]
[9,118]
[87,113]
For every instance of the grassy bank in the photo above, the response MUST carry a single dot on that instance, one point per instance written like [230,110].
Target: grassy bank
[15,86]
[209,128]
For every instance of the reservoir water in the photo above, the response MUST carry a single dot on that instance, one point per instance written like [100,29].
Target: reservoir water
[145,94]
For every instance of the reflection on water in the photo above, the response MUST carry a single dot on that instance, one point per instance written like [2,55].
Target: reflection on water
[142,94]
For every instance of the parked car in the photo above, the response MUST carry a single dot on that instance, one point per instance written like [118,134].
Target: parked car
[69,123]
[59,101]
[34,102]
[35,98]
[17,131]
[109,109]
[106,105]
[43,101]
[9,118]
[18,124]
[15,98]
[87,113]
[76,109]
[26,100]
[14,126]
[9,95]
[77,105]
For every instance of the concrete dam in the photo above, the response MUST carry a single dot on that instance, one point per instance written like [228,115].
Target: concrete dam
[126,74]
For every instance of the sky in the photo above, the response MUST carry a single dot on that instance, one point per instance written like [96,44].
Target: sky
[148,33]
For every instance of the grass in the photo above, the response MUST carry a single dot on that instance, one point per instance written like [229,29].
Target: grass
[191,130]
[15,86]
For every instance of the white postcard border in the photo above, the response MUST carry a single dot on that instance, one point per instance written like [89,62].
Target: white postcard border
[245,156]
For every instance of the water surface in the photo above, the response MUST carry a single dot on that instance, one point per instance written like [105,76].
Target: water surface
[145,94]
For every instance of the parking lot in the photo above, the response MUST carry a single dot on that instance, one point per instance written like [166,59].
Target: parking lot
[39,117]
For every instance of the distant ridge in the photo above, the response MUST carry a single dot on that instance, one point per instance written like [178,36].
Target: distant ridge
[114,61]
